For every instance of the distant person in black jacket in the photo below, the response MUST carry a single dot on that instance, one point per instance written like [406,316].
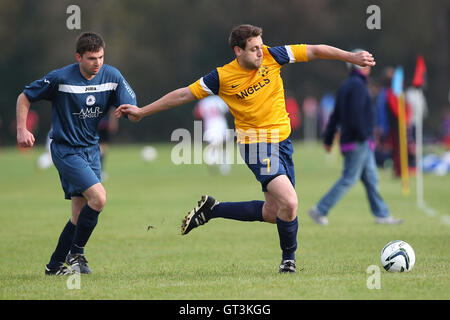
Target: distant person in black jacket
[354,116]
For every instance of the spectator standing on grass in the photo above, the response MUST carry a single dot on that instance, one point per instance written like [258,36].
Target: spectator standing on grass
[212,110]
[354,116]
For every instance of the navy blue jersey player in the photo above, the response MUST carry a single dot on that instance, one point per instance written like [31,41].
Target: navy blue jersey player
[81,94]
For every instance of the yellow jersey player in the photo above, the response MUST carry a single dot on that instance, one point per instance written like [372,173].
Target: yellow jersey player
[252,87]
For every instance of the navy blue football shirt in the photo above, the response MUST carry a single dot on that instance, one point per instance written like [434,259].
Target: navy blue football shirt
[79,104]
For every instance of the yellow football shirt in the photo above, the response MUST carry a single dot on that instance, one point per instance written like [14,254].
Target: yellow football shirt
[255,97]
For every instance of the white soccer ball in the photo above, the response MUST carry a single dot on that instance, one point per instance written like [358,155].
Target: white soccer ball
[44,161]
[398,256]
[149,153]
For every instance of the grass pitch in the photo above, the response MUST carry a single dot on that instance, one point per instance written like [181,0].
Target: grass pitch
[223,259]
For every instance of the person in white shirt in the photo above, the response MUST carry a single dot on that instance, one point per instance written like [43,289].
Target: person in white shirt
[212,111]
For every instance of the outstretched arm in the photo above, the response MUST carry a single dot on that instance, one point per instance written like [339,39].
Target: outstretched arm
[24,137]
[170,100]
[321,51]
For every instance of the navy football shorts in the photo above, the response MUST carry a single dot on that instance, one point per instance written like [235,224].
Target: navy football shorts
[269,160]
[79,167]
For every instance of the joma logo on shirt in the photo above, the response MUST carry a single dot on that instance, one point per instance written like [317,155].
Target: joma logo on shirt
[251,90]
[93,112]
[90,89]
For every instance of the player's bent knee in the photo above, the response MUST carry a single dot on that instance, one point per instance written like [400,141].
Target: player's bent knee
[96,197]
[289,207]
[270,211]
[291,204]
[271,207]
[98,201]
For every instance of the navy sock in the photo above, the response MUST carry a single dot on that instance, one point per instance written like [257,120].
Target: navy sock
[87,220]
[63,246]
[242,211]
[287,231]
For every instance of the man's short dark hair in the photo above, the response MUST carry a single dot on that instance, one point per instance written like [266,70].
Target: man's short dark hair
[89,42]
[240,34]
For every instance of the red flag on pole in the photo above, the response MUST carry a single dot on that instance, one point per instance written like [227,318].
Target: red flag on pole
[419,73]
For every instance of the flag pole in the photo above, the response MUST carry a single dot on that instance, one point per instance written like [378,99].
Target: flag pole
[403,144]
[419,152]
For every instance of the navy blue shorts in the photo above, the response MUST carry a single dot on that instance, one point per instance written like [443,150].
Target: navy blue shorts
[269,160]
[79,167]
